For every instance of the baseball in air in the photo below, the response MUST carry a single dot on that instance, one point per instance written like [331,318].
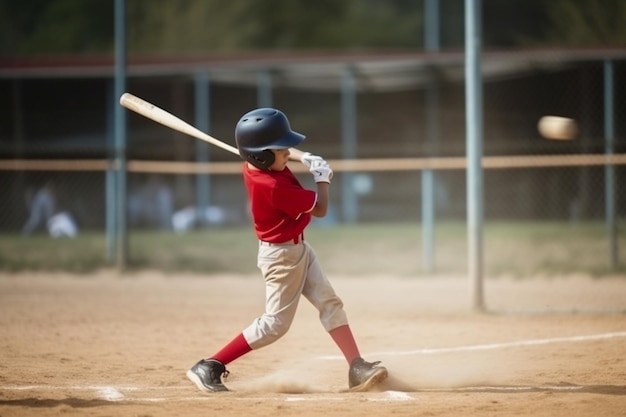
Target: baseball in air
[557,128]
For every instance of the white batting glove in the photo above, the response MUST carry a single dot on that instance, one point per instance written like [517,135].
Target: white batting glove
[321,171]
[308,159]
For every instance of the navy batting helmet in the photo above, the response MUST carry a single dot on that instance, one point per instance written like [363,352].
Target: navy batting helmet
[263,129]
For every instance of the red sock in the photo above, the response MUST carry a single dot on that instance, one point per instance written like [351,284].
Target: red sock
[343,338]
[233,350]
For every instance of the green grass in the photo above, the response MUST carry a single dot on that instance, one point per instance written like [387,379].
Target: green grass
[510,249]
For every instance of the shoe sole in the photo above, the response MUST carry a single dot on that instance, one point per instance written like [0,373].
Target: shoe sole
[379,376]
[196,380]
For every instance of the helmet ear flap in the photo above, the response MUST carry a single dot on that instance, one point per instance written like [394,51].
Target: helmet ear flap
[262,159]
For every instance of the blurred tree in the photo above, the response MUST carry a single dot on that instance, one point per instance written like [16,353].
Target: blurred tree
[507,25]
[338,24]
[43,27]
[194,26]
[587,22]
[166,26]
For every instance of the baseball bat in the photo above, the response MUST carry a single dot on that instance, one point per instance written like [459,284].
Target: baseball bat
[157,114]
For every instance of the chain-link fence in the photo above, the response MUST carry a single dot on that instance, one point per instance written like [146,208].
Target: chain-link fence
[400,132]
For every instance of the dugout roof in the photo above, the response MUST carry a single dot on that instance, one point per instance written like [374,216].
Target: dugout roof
[376,71]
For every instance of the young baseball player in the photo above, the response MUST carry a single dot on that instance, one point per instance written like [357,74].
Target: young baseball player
[281,209]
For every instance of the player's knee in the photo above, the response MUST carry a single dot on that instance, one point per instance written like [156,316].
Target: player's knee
[269,329]
[277,329]
[333,315]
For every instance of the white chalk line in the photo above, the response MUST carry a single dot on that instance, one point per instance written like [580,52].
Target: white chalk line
[493,346]
[116,394]
[506,388]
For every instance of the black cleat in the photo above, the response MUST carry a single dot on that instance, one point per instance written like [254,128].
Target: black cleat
[207,375]
[364,375]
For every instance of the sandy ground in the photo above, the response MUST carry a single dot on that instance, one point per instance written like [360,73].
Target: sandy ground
[105,345]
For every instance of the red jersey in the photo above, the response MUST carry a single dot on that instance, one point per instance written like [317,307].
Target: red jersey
[280,206]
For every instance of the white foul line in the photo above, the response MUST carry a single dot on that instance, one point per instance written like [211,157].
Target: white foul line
[493,346]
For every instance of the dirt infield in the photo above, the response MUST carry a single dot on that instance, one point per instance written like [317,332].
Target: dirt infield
[119,346]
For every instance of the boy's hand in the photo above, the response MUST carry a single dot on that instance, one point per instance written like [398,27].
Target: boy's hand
[321,171]
[308,159]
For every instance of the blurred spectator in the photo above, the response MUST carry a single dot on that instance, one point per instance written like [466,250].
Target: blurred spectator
[151,204]
[189,217]
[45,214]
[62,225]
[41,206]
